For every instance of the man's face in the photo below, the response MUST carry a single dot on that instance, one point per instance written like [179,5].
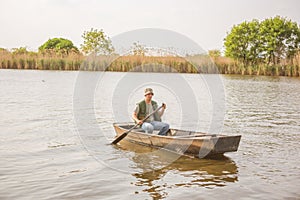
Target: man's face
[148,96]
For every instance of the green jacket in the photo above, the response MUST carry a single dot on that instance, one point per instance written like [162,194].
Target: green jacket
[143,113]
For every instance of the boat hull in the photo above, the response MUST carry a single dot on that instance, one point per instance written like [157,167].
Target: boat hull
[183,142]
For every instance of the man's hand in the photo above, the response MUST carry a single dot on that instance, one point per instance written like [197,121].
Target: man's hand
[139,122]
[164,106]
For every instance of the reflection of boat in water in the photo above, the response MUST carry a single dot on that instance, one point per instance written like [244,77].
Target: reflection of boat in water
[160,170]
[182,142]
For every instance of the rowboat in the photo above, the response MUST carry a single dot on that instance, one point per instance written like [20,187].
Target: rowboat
[185,142]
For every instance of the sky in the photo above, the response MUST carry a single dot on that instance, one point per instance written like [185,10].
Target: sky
[30,23]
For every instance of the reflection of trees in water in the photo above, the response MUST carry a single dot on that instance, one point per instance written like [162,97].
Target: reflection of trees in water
[162,170]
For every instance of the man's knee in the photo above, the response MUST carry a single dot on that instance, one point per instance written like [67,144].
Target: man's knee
[148,128]
[166,126]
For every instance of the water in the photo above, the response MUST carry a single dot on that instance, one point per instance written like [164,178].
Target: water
[55,135]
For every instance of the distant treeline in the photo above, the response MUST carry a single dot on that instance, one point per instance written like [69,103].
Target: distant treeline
[138,63]
[268,47]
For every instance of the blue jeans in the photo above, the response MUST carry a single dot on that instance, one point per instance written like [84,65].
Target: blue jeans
[163,128]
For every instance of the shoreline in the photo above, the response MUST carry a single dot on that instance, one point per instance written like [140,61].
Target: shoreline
[245,75]
[197,64]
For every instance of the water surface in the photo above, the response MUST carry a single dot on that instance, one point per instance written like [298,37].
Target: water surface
[50,149]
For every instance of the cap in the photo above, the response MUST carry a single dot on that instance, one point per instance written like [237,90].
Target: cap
[148,91]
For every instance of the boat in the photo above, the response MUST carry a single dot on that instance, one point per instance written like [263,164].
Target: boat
[184,142]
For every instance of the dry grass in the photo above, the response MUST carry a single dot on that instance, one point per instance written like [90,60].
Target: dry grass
[39,61]
[190,64]
[285,68]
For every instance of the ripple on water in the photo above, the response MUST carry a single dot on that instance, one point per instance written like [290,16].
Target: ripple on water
[42,155]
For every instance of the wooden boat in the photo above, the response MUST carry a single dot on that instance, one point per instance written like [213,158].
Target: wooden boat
[180,141]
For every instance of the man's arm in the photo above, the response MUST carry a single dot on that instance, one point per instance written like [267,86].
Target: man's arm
[162,110]
[134,115]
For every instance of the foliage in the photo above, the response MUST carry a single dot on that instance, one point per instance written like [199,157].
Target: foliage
[60,46]
[20,51]
[96,42]
[280,39]
[242,43]
[215,53]
[2,50]
[266,42]
[138,49]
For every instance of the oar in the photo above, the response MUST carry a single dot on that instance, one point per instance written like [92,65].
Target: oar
[123,135]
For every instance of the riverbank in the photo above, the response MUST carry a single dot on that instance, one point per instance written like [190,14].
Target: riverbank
[189,64]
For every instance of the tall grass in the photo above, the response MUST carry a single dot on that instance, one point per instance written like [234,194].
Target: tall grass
[189,64]
[151,64]
[285,68]
[33,60]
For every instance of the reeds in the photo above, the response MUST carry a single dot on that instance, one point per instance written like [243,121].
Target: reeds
[162,64]
[38,61]
[285,68]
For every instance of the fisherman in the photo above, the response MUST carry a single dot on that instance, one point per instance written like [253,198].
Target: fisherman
[146,107]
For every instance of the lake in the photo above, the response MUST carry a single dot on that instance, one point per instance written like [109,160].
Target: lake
[56,127]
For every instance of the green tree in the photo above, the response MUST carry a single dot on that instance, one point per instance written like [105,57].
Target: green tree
[215,53]
[59,46]
[280,39]
[96,42]
[268,41]
[138,49]
[20,51]
[243,42]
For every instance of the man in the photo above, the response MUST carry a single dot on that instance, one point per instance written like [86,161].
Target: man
[146,107]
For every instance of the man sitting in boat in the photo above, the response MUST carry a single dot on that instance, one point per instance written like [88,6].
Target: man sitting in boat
[154,122]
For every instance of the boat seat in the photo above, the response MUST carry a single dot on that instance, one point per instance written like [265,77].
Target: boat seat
[139,130]
[155,132]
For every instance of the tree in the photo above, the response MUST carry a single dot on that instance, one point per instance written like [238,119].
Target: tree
[59,46]
[280,38]
[138,49]
[243,42]
[20,51]
[96,42]
[215,53]
[23,51]
[268,41]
